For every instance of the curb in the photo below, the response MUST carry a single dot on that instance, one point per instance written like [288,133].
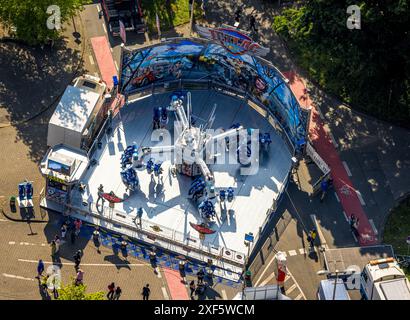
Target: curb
[22,220]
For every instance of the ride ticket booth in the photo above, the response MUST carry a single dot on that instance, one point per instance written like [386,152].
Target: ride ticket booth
[62,168]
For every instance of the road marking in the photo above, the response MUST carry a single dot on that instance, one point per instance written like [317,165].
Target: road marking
[292,252]
[320,113]
[355,239]
[224,296]
[344,213]
[91,59]
[105,29]
[165,293]
[349,173]
[373,226]
[290,290]
[359,195]
[116,65]
[12,242]
[266,268]
[17,277]
[333,139]
[300,296]
[90,264]
[302,251]
[337,198]
[296,283]
[265,282]
[159,274]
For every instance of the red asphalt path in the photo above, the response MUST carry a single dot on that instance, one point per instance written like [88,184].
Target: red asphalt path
[322,142]
[176,287]
[105,62]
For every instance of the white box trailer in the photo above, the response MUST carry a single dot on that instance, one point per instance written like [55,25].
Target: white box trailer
[75,116]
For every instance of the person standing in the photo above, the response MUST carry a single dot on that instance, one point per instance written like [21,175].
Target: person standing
[192,288]
[201,275]
[53,246]
[40,268]
[117,294]
[58,243]
[111,290]
[63,231]
[79,278]
[77,223]
[146,292]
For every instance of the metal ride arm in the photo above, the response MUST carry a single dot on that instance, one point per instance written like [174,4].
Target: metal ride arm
[204,169]
[227,134]
[181,115]
[158,149]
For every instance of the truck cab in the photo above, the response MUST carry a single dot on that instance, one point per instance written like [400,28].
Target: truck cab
[383,279]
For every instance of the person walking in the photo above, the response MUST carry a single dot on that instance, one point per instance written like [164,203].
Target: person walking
[77,259]
[146,292]
[40,268]
[58,243]
[192,288]
[111,290]
[252,23]
[117,293]
[324,186]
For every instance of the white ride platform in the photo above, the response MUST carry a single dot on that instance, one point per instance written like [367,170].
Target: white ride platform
[165,201]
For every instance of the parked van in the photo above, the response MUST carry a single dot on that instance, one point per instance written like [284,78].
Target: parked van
[78,114]
[330,289]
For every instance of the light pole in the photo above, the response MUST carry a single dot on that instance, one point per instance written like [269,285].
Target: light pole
[337,272]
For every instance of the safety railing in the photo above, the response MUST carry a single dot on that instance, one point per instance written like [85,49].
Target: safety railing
[193,84]
[155,231]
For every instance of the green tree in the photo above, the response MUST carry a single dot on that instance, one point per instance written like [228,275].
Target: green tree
[77,292]
[27,19]
[368,67]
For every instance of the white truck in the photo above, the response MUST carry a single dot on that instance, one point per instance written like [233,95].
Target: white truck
[383,279]
[78,114]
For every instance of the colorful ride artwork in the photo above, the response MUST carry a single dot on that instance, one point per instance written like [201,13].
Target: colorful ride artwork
[194,59]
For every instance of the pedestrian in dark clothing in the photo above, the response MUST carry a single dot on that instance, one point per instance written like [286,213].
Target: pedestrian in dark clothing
[192,288]
[72,236]
[77,259]
[238,14]
[252,23]
[145,292]
[40,268]
[201,275]
[111,290]
[53,246]
[324,186]
[117,294]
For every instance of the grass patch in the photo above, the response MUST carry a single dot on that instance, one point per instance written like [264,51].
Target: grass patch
[397,229]
[171,13]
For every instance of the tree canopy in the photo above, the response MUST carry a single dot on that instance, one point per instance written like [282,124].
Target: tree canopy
[368,68]
[77,292]
[28,19]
